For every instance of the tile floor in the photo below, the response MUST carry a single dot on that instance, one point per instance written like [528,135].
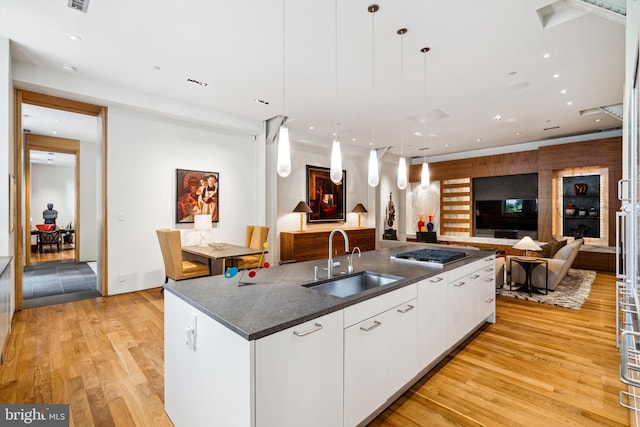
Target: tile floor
[57,282]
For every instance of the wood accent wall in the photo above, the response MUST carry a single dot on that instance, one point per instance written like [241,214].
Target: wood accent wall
[544,161]
[599,153]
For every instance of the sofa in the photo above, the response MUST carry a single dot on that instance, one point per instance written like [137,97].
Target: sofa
[559,265]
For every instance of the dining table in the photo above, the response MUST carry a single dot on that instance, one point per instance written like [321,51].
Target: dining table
[217,254]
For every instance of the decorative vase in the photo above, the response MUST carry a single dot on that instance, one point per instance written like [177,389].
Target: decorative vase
[593,212]
[430,223]
[570,210]
[580,189]
[582,212]
[421,223]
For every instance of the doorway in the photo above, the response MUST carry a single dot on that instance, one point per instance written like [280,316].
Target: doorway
[79,209]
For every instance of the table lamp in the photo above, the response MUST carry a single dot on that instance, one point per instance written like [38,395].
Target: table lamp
[302,208]
[527,244]
[359,209]
[202,223]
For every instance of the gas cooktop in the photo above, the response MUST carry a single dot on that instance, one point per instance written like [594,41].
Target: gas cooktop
[430,257]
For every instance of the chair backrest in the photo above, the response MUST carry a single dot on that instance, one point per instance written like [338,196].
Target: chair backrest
[50,236]
[171,251]
[256,236]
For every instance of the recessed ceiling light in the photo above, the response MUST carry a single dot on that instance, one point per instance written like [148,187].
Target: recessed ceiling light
[478,139]
[417,133]
[518,133]
[57,121]
[353,139]
[55,132]
[69,68]
[446,145]
[311,127]
[597,120]
[569,103]
[75,37]
[563,91]
[497,117]
[555,76]
[546,55]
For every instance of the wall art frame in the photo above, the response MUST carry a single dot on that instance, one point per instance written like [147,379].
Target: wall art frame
[326,199]
[197,193]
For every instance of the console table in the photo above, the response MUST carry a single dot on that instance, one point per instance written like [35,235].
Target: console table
[314,244]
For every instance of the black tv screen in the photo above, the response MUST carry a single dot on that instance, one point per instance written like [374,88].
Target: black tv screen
[508,214]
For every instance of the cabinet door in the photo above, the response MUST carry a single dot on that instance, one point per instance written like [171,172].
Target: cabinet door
[402,342]
[432,319]
[299,375]
[460,305]
[365,364]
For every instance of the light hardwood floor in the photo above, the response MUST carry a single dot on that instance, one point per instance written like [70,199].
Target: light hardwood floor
[537,366]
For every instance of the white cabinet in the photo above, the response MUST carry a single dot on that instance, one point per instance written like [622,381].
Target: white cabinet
[379,351]
[470,295]
[432,319]
[299,373]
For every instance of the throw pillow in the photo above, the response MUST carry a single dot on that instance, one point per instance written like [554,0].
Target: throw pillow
[550,249]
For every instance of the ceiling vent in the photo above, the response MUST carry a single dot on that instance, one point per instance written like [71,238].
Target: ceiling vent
[81,5]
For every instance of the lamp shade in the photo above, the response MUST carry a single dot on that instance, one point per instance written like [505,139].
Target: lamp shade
[527,244]
[359,208]
[202,222]
[302,207]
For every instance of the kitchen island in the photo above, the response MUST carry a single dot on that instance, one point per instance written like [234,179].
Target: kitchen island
[278,353]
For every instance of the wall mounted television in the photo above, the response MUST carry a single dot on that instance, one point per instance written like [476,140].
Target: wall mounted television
[506,214]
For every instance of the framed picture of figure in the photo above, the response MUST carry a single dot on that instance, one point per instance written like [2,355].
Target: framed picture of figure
[326,199]
[197,193]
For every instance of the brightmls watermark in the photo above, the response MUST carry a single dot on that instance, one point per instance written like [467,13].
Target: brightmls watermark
[34,415]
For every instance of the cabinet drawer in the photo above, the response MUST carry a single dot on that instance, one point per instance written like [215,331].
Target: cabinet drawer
[465,270]
[366,309]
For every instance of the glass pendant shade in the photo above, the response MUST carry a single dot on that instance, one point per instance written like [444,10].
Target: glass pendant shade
[284,153]
[374,175]
[424,178]
[402,173]
[336,162]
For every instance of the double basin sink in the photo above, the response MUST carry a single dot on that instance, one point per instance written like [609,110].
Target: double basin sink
[353,284]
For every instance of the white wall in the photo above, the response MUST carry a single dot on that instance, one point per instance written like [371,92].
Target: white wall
[292,189]
[89,199]
[6,148]
[144,152]
[53,184]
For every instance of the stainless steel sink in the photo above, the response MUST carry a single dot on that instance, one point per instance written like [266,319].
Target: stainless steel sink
[352,284]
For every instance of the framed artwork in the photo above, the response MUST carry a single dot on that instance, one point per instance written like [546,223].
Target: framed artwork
[326,199]
[197,193]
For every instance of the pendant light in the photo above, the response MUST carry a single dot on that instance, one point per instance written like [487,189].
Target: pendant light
[283,163]
[424,176]
[402,163]
[374,174]
[335,172]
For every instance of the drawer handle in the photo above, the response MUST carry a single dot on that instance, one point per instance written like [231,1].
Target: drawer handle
[489,300]
[316,328]
[457,285]
[436,280]
[475,276]
[488,279]
[488,259]
[488,269]
[372,327]
[409,308]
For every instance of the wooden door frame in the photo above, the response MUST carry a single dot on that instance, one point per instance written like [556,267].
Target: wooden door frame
[49,101]
[55,145]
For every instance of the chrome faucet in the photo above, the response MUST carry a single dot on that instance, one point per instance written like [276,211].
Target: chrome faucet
[346,249]
[351,258]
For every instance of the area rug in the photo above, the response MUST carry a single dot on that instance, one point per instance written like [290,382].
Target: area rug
[572,292]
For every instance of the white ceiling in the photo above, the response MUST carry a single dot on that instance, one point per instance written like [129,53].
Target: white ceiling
[486,59]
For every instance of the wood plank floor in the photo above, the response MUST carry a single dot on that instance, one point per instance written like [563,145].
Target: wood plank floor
[537,366]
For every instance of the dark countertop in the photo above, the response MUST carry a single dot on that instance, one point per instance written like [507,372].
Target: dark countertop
[277,300]
[4,263]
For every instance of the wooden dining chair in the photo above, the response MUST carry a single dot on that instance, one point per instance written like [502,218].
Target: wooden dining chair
[50,238]
[174,266]
[256,237]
